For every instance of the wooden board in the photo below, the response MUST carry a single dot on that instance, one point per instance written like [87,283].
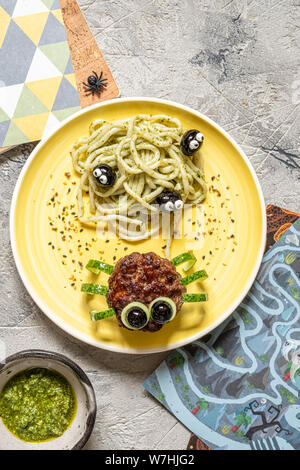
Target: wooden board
[86,55]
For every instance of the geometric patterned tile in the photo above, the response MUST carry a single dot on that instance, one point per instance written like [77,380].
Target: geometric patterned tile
[66,97]
[48,3]
[63,114]
[4,22]
[28,7]
[58,54]
[33,25]
[29,104]
[14,136]
[3,130]
[41,68]
[3,117]
[53,32]
[9,97]
[55,5]
[58,16]
[16,55]
[8,6]
[37,75]
[71,79]
[51,125]
[45,90]
[69,68]
[32,126]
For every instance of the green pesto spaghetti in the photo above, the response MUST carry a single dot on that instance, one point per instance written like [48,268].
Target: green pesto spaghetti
[144,153]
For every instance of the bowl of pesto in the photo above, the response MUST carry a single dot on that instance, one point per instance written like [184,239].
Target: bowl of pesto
[47,402]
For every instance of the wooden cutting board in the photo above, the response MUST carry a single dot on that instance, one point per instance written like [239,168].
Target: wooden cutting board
[86,55]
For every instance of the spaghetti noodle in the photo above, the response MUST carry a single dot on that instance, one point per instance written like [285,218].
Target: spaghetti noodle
[144,150]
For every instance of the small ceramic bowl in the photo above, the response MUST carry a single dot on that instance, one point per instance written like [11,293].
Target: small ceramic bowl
[76,436]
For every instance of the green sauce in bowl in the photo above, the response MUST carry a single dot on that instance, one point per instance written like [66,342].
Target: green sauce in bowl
[37,405]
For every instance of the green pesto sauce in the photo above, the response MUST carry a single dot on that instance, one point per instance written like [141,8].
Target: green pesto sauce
[37,405]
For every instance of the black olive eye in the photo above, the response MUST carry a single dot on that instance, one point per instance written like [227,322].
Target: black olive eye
[191,141]
[169,201]
[105,175]
[162,310]
[135,316]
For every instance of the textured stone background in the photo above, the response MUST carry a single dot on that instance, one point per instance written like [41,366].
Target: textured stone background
[238,62]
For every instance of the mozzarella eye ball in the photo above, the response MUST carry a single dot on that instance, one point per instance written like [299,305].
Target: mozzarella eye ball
[169,201]
[105,175]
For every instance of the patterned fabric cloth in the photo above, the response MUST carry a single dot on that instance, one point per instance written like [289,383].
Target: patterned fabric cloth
[239,389]
[37,83]
[278,222]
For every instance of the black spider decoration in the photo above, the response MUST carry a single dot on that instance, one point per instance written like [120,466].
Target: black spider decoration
[95,83]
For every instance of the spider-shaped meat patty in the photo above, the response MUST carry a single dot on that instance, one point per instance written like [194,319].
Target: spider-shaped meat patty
[143,277]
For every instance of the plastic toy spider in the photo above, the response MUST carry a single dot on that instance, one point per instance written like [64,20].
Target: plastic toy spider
[144,290]
[95,83]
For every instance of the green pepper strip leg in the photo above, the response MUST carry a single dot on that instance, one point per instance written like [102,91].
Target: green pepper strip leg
[194,297]
[196,276]
[96,316]
[94,289]
[96,266]
[188,258]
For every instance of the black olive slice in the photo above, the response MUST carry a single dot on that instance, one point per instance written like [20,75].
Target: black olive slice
[105,175]
[135,316]
[191,141]
[169,201]
[162,310]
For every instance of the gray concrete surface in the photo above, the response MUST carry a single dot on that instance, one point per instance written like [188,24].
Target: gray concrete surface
[238,62]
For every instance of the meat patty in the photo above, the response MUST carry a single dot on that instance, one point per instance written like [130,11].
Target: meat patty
[142,277]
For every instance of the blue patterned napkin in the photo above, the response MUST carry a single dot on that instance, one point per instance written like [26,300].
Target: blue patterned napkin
[239,389]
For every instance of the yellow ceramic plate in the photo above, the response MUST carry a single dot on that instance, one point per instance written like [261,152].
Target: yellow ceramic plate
[51,249]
